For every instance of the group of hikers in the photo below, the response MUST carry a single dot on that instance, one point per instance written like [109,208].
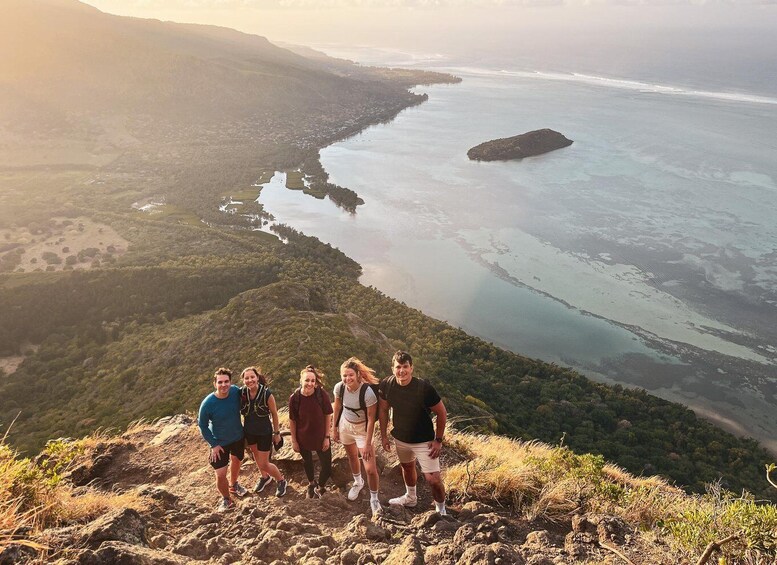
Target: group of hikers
[233,417]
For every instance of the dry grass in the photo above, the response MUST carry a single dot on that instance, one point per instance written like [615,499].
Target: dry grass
[530,478]
[87,505]
[33,497]
[540,481]
[552,483]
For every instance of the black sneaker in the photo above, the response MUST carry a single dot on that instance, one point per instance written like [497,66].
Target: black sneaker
[311,491]
[281,490]
[263,482]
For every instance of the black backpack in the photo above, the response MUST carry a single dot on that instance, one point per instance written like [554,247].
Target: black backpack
[362,402]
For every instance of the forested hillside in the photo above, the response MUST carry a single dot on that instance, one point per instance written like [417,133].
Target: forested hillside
[110,312]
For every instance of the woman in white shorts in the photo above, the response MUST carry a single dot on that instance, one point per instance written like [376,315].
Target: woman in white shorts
[355,413]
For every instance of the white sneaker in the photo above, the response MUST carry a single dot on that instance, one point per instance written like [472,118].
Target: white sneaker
[404,500]
[376,508]
[357,487]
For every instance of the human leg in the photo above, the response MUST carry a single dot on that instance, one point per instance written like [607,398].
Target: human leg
[371,469]
[222,484]
[325,458]
[436,485]
[353,458]
[263,462]
[407,460]
[353,461]
[307,463]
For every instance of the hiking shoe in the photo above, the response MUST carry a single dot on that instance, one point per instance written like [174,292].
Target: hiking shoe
[404,500]
[281,490]
[357,487]
[318,490]
[376,508]
[238,490]
[225,504]
[311,491]
[261,483]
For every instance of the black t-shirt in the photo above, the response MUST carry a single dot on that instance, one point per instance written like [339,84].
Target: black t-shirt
[410,405]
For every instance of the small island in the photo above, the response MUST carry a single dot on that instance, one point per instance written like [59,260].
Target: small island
[519,146]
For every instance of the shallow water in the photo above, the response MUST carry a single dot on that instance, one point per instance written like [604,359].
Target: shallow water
[653,235]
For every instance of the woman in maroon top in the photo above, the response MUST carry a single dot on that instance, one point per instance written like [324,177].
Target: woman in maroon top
[310,418]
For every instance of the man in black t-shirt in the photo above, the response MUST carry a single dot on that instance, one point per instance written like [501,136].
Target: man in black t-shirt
[415,435]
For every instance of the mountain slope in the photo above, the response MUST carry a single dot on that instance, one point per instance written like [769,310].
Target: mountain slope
[66,60]
[148,496]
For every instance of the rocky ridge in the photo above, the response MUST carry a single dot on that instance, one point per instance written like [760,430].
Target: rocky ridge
[164,465]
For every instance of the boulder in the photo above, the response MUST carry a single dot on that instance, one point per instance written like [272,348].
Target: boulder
[124,525]
[121,553]
[492,554]
[409,552]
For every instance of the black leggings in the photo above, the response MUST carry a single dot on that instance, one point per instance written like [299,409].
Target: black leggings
[325,457]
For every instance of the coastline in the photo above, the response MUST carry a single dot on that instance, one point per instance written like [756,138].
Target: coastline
[704,334]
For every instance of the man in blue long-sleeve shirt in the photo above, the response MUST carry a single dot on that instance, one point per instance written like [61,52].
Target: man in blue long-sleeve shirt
[220,425]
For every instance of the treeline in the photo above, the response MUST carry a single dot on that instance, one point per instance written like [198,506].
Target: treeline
[96,303]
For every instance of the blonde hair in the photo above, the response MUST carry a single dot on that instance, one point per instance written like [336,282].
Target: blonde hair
[363,372]
[311,369]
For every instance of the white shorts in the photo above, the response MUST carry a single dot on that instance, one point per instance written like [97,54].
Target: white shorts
[353,433]
[409,452]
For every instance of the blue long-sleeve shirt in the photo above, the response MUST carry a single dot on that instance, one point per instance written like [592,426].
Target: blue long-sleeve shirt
[219,418]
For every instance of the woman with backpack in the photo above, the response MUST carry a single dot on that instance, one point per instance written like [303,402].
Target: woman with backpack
[310,418]
[257,405]
[355,412]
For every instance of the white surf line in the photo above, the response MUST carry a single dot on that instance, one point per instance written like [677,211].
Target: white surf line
[621,84]
[624,84]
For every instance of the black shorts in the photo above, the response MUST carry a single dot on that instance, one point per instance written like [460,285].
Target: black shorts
[262,442]
[237,449]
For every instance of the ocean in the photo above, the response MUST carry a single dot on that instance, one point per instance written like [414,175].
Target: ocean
[644,254]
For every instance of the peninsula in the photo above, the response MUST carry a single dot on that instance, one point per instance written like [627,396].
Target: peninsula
[519,146]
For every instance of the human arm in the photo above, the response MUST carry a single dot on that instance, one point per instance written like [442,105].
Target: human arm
[383,417]
[369,451]
[337,414]
[293,426]
[441,419]
[327,426]
[203,421]
[276,430]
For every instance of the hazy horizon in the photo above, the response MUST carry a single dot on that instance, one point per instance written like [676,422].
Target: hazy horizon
[727,46]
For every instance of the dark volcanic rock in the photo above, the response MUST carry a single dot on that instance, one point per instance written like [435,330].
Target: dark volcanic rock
[519,146]
[124,525]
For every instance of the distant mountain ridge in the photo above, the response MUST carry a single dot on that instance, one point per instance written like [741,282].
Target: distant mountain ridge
[70,63]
